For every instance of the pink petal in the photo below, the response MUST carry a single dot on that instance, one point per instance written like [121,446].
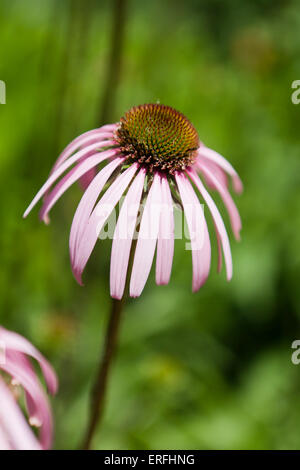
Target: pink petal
[34,409]
[4,444]
[87,178]
[70,178]
[146,243]
[223,163]
[90,137]
[98,218]
[219,250]
[13,424]
[227,199]
[81,144]
[16,342]
[86,206]
[200,244]
[61,169]
[165,241]
[215,170]
[123,236]
[77,142]
[217,220]
[106,128]
[25,364]
[39,402]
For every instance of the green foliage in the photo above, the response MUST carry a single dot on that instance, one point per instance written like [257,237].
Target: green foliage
[210,370]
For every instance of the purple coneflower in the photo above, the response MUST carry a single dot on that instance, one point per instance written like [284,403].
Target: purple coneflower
[154,155]
[15,431]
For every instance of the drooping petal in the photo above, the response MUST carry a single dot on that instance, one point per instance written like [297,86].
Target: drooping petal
[13,424]
[87,178]
[87,204]
[98,218]
[227,199]
[61,169]
[73,175]
[219,244]
[200,243]
[15,342]
[25,364]
[38,400]
[217,171]
[4,444]
[217,220]
[223,163]
[80,144]
[88,138]
[123,234]
[147,239]
[107,128]
[165,241]
[81,140]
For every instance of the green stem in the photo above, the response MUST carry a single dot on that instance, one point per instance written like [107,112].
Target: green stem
[99,389]
[114,66]
[100,386]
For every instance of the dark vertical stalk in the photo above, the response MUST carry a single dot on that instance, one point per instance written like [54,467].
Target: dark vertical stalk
[64,72]
[114,65]
[100,386]
[106,113]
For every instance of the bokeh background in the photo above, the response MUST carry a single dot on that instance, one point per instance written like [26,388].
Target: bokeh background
[211,370]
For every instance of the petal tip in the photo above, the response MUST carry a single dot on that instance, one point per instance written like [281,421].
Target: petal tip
[116,296]
[238,186]
[162,282]
[134,295]
[54,387]
[78,277]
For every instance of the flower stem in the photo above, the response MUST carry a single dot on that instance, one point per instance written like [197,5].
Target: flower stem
[100,386]
[114,65]
[111,338]
[106,112]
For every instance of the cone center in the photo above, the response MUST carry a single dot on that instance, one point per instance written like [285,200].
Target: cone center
[158,135]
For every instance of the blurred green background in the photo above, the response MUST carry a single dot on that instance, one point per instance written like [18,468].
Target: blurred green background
[211,370]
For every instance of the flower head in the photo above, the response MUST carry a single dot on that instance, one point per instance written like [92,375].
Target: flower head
[152,155]
[159,137]
[17,371]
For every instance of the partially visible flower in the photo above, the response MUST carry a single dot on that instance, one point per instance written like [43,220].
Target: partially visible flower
[152,154]
[17,371]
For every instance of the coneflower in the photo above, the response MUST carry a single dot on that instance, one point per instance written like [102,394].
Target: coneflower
[153,155]
[16,371]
